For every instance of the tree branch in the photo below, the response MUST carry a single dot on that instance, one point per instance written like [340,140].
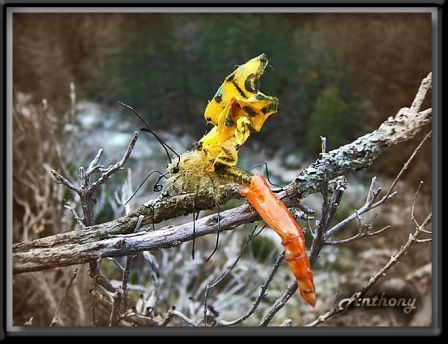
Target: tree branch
[109,239]
[412,240]
[261,294]
[405,122]
[363,231]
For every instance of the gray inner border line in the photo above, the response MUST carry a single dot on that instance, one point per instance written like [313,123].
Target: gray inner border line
[436,175]
[224,10]
[436,310]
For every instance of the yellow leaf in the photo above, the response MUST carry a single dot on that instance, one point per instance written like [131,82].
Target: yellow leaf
[237,108]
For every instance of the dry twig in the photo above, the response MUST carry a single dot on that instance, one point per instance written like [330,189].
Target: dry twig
[412,240]
[116,238]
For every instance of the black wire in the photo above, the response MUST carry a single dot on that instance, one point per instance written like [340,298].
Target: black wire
[267,173]
[258,233]
[194,230]
[144,181]
[148,128]
[157,187]
[217,234]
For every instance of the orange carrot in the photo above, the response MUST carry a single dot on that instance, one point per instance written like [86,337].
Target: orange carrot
[278,217]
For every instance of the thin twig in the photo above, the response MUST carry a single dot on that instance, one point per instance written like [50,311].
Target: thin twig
[373,193]
[116,307]
[94,164]
[94,273]
[279,304]
[329,208]
[424,241]
[69,285]
[231,266]
[425,85]
[121,294]
[261,295]
[86,191]
[361,234]
[207,290]
[371,196]
[413,204]
[117,166]
[369,205]
[405,167]
[412,240]
[78,219]
[351,157]
[64,181]
[180,315]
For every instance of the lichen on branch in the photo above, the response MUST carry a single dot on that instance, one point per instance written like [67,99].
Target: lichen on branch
[116,238]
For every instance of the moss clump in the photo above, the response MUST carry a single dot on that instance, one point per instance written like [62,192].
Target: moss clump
[194,173]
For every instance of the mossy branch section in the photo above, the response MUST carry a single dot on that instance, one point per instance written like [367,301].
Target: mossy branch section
[70,253]
[362,152]
[116,238]
[154,211]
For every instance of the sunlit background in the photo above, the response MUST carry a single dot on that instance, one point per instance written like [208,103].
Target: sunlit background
[335,75]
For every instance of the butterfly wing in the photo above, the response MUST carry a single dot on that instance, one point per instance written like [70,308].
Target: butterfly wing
[237,108]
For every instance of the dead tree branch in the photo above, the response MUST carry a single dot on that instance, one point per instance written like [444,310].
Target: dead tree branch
[260,296]
[86,191]
[213,284]
[110,239]
[412,240]
[363,231]
[390,131]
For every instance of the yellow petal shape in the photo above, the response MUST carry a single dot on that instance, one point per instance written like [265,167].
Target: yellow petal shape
[242,131]
[237,108]
[242,83]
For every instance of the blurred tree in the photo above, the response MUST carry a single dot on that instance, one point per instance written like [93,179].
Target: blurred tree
[327,119]
[169,65]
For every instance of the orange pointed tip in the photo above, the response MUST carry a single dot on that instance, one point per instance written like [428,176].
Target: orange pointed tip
[307,291]
[310,298]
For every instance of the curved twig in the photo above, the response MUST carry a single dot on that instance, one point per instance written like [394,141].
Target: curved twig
[102,241]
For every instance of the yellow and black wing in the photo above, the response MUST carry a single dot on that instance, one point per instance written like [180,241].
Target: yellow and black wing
[237,108]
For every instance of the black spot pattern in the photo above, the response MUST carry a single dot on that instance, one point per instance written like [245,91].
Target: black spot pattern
[228,122]
[249,84]
[240,91]
[251,112]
